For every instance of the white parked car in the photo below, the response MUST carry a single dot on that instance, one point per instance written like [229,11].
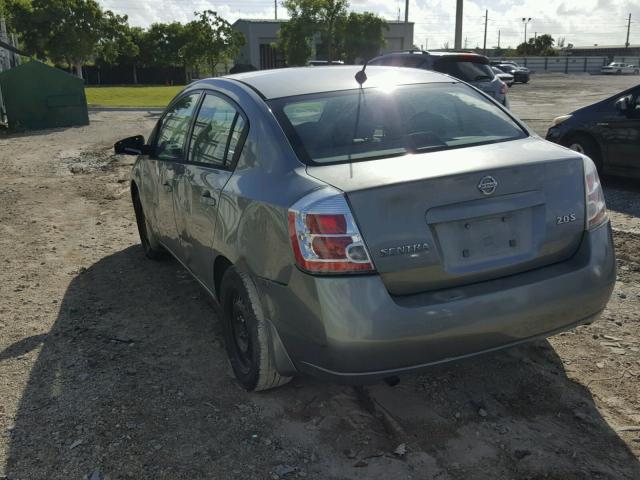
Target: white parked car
[504,76]
[620,68]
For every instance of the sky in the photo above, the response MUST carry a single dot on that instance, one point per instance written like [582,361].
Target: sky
[580,22]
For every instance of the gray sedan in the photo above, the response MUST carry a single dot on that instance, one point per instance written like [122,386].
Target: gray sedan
[357,225]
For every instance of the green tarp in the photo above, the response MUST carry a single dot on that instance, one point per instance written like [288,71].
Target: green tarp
[37,96]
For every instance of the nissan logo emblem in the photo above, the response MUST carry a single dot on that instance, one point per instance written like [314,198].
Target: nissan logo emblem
[487,185]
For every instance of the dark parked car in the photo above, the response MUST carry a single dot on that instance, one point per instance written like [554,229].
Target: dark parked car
[607,131]
[355,225]
[520,75]
[468,67]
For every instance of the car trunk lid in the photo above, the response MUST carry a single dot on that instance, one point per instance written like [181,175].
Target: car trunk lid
[444,219]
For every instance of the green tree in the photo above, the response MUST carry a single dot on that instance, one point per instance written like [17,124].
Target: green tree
[363,36]
[163,45]
[116,40]
[61,30]
[210,39]
[294,41]
[122,44]
[542,45]
[308,18]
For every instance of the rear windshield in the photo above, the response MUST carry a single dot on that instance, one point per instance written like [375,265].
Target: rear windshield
[365,124]
[464,70]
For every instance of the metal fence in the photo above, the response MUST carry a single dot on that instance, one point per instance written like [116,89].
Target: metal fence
[569,64]
[631,60]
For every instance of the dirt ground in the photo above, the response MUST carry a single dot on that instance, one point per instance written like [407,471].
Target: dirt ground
[112,366]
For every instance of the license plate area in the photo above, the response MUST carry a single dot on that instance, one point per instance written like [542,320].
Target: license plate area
[486,242]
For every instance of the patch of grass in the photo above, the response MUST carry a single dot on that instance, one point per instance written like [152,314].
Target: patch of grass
[131,96]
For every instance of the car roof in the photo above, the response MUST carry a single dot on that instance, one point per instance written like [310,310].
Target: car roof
[288,82]
[457,55]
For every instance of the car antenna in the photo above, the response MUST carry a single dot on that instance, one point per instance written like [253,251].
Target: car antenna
[361,77]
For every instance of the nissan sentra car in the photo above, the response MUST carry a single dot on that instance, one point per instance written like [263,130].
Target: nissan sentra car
[355,225]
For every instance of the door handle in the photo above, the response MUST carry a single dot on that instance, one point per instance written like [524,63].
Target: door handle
[207,199]
[167,186]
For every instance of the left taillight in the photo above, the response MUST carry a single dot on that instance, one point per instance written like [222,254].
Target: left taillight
[324,235]
[596,207]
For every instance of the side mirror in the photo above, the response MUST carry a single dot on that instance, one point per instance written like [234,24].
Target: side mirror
[132,146]
[623,104]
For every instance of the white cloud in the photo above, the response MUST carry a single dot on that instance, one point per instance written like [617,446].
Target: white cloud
[581,22]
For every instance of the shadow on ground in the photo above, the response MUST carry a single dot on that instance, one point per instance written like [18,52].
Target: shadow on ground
[621,194]
[132,382]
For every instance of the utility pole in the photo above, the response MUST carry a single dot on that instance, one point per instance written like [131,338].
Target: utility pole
[498,38]
[465,43]
[275,7]
[626,44]
[457,44]
[486,19]
[526,22]
[426,45]
[406,11]
[535,35]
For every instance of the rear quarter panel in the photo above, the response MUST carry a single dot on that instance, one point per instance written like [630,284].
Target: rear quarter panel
[251,229]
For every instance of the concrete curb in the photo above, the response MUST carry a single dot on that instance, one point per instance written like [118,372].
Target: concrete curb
[127,109]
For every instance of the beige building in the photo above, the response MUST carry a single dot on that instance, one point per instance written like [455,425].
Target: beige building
[262,34]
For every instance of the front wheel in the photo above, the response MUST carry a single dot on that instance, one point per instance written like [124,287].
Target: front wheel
[246,333]
[587,146]
[151,246]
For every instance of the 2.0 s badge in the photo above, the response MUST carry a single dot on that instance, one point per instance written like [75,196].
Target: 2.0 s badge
[560,219]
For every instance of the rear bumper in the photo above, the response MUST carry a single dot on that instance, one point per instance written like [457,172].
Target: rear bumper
[350,329]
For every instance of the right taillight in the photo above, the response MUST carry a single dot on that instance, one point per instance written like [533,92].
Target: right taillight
[596,208]
[324,235]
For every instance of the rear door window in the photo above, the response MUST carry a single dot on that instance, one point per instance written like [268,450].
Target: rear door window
[411,61]
[217,132]
[172,133]
[465,70]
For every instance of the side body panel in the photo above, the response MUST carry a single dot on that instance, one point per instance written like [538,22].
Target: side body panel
[196,210]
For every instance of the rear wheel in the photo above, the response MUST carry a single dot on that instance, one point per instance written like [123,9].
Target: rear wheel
[246,333]
[151,246]
[587,146]
[636,72]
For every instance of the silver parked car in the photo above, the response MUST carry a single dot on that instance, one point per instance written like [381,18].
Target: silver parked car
[358,229]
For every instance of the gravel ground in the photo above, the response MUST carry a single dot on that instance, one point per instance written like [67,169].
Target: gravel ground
[112,366]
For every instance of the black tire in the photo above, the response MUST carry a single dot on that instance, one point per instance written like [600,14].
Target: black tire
[152,249]
[587,146]
[246,333]
[636,72]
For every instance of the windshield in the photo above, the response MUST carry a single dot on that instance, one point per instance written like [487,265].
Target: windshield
[464,70]
[365,124]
